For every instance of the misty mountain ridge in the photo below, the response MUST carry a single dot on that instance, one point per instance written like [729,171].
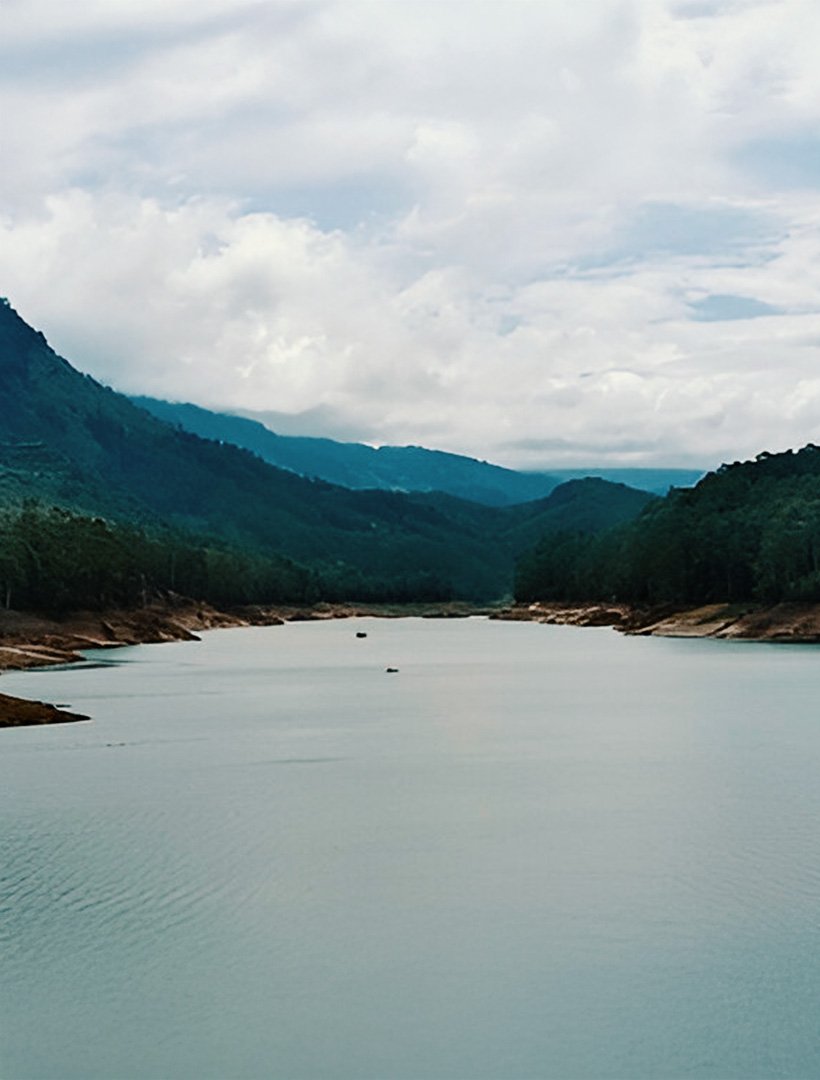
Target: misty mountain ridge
[397,468]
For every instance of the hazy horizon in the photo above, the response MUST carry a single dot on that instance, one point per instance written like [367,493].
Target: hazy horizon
[311,428]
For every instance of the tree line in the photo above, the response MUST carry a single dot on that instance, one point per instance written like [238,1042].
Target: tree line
[749,531]
[53,559]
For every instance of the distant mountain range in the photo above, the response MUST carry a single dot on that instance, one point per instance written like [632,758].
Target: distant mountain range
[70,442]
[398,468]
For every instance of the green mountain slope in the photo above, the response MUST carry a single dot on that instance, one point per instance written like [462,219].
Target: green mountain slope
[583,507]
[70,440]
[586,506]
[354,465]
[658,481]
[398,468]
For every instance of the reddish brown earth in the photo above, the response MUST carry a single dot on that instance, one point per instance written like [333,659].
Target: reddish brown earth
[793,622]
[15,712]
[29,640]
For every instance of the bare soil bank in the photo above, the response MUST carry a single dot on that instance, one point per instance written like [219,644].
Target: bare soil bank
[34,640]
[30,640]
[787,622]
[17,712]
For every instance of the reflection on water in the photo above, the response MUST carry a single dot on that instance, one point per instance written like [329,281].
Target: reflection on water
[533,852]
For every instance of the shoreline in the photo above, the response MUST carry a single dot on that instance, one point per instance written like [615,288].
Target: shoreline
[29,640]
[793,622]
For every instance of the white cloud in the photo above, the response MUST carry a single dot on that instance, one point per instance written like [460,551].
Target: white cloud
[483,227]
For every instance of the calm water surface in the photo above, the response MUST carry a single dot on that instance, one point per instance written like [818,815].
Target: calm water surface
[533,852]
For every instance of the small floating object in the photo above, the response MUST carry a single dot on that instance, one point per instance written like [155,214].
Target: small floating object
[391,670]
[361,633]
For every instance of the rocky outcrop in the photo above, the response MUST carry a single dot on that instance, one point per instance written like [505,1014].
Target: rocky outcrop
[567,614]
[15,712]
[792,622]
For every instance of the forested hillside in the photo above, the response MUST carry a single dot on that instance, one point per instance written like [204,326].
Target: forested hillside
[750,531]
[73,444]
[354,465]
[68,440]
[55,560]
[399,468]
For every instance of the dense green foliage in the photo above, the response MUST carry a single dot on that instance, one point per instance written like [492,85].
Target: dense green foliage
[579,506]
[55,560]
[750,531]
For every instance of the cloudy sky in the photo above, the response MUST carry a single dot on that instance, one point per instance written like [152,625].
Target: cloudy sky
[542,233]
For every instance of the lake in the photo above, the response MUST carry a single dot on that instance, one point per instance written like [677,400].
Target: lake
[533,851]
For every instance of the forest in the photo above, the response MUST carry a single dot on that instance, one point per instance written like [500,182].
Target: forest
[55,560]
[748,532]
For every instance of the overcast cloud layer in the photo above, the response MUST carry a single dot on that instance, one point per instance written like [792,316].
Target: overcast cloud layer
[542,233]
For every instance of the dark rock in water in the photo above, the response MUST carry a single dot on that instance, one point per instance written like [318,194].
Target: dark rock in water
[391,670]
[17,712]
[361,633]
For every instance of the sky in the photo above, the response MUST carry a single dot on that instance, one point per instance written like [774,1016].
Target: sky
[543,233]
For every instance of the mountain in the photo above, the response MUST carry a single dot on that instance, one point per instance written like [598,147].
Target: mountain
[355,465]
[581,507]
[586,506]
[73,443]
[68,439]
[658,481]
[398,468]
